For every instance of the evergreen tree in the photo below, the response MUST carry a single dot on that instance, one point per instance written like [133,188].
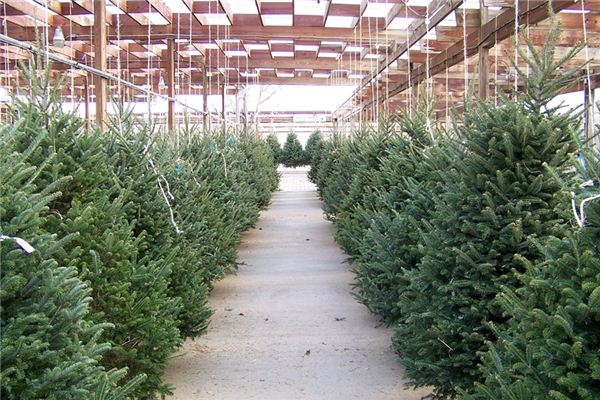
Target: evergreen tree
[312,146]
[49,346]
[292,154]
[496,197]
[390,245]
[275,147]
[549,347]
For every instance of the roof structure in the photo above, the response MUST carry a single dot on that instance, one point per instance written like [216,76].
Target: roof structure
[385,48]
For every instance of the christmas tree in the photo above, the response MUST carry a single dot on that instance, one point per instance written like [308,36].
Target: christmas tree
[275,147]
[549,347]
[292,154]
[496,196]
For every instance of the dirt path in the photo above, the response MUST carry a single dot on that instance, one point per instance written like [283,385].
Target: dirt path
[286,326]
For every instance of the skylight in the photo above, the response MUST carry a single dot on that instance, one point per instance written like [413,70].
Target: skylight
[257,46]
[354,49]
[400,23]
[378,10]
[337,21]
[418,3]
[278,19]
[213,19]
[177,6]
[282,54]
[310,7]
[284,74]
[241,6]
[306,47]
[236,53]
[328,54]
[331,43]
[449,21]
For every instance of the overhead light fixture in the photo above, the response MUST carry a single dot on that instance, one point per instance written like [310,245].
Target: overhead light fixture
[59,38]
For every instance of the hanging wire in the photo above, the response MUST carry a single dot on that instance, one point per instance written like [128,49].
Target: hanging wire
[465,57]
[496,62]
[516,44]
[149,63]
[587,60]
[410,94]
[72,71]
[6,52]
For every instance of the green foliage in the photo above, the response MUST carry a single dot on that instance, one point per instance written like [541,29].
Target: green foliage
[441,223]
[151,224]
[292,154]
[275,147]
[49,345]
[549,347]
[495,197]
[312,146]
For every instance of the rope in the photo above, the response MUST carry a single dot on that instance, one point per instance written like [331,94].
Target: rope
[465,55]
[587,61]
[516,43]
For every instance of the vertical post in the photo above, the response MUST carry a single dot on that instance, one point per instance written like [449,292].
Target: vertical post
[205,117]
[484,52]
[171,84]
[86,94]
[588,104]
[100,61]
[237,109]
[223,108]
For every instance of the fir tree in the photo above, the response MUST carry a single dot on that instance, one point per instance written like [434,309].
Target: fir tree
[496,197]
[292,154]
[275,147]
[49,346]
[549,347]
[312,146]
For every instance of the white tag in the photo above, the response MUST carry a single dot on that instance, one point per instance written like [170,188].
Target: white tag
[27,248]
[22,243]
[587,183]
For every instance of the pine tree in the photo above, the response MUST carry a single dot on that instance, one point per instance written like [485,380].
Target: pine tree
[496,197]
[49,346]
[357,196]
[312,146]
[275,147]
[409,178]
[292,154]
[549,347]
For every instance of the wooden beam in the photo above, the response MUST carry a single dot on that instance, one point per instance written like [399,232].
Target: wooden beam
[171,84]
[100,61]
[86,95]
[494,31]
[483,75]
[418,29]
[202,33]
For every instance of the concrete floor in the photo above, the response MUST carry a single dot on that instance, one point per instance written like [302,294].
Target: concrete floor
[286,326]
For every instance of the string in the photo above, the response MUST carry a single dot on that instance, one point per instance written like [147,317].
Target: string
[72,71]
[428,87]
[589,114]
[516,85]
[6,57]
[465,56]
[149,63]
[496,62]
[410,108]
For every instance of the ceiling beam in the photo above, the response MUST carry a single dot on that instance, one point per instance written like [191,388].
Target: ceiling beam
[497,29]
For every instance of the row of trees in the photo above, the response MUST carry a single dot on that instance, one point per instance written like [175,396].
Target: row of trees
[110,242]
[480,242]
[292,154]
